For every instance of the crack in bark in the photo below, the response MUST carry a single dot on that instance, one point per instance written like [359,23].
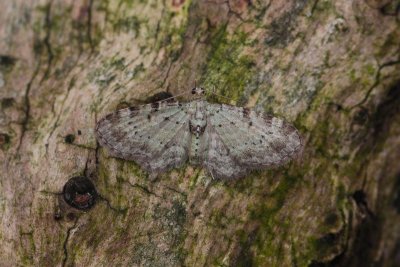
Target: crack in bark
[166,76]
[118,210]
[69,230]
[184,195]
[360,198]
[143,189]
[376,83]
[89,26]
[314,6]
[46,41]
[232,12]
[24,123]
[85,170]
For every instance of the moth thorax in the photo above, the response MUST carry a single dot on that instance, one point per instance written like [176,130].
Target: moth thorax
[198,91]
[197,126]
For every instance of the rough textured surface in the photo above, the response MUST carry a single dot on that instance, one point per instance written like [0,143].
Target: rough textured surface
[331,67]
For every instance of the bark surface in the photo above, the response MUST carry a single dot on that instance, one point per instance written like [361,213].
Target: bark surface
[330,67]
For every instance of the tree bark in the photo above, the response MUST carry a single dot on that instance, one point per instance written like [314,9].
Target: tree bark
[330,67]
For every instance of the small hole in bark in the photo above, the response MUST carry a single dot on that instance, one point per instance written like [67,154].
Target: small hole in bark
[69,138]
[79,132]
[4,139]
[360,197]
[80,193]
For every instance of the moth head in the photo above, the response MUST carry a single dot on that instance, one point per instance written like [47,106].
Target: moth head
[198,91]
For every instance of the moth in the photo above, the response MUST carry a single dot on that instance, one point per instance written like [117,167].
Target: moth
[227,141]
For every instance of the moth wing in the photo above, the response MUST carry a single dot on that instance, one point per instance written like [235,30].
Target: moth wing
[155,136]
[216,158]
[254,140]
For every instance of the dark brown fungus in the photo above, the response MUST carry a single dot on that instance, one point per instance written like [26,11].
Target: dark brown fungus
[80,193]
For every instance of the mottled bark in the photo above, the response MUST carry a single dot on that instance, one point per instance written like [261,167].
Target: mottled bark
[330,67]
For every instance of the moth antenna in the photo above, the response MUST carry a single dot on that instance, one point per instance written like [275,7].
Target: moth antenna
[172,97]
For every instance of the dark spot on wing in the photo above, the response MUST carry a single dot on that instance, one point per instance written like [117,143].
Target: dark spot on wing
[149,117]
[148,137]
[79,132]
[233,123]
[268,119]
[133,113]
[219,125]
[177,122]
[166,118]
[250,123]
